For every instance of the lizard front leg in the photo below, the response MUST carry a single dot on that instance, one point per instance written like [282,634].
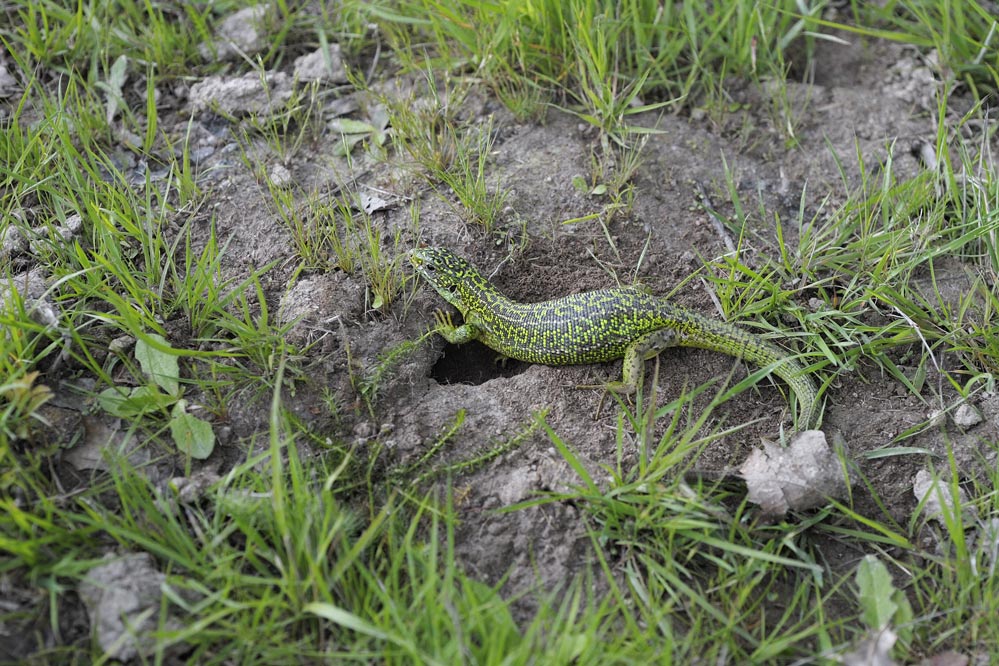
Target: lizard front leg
[454,334]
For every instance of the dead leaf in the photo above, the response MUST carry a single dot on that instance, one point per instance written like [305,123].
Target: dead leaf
[123,598]
[98,436]
[192,488]
[872,651]
[371,203]
[802,476]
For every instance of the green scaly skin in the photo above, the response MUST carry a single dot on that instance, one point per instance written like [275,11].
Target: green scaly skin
[593,327]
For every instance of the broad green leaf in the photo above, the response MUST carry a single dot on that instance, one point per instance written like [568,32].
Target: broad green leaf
[141,400]
[348,126]
[347,143]
[191,435]
[148,398]
[112,401]
[160,366]
[876,593]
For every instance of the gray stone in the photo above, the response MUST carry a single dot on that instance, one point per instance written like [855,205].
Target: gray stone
[966,416]
[242,95]
[326,67]
[241,34]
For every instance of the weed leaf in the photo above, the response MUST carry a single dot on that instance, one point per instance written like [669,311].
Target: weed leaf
[191,435]
[116,80]
[161,367]
[141,400]
[876,593]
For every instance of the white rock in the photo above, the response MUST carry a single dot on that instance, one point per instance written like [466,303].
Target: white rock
[242,95]
[240,34]
[938,498]
[73,223]
[313,66]
[12,242]
[8,84]
[966,416]
[121,344]
[280,177]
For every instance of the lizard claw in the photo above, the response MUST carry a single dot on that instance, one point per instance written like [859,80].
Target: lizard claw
[443,321]
[619,388]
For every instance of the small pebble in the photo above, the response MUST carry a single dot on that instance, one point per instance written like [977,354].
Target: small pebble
[937,417]
[199,155]
[12,242]
[73,223]
[280,177]
[121,344]
[364,430]
[322,66]
[967,416]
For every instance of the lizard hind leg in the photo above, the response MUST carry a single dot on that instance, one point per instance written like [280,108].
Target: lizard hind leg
[638,352]
[633,369]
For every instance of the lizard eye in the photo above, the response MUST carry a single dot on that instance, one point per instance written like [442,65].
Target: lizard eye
[429,267]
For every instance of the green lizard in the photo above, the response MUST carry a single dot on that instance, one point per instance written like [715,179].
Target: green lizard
[593,327]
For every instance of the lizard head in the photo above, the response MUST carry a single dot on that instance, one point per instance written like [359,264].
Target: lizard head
[446,272]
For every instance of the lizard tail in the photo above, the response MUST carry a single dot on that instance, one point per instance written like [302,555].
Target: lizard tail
[727,339]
